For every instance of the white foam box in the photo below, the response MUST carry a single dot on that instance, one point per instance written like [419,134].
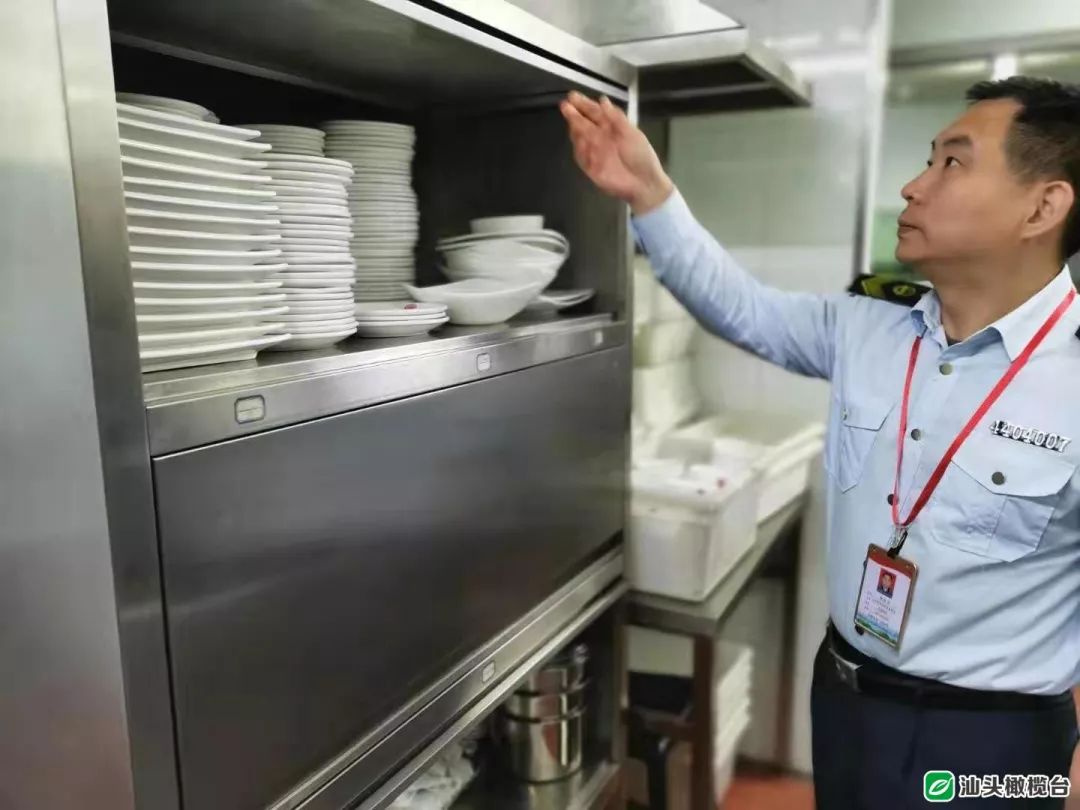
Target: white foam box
[780,448]
[688,529]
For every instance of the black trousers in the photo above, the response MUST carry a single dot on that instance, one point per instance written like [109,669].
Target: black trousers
[871,753]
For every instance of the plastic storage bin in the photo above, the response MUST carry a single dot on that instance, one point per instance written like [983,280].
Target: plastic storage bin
[663,341]
[781,449]
[665,396]
[688,531]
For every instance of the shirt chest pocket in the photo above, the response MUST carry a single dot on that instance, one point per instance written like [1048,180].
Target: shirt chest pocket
[997,497]
[856,425]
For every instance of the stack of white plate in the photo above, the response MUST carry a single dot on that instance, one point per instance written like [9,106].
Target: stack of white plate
[204,239]
[291,139]
[382,203]
[315,231]
[399,318]
[173,106]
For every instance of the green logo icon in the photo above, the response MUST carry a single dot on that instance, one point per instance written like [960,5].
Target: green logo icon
[939,786]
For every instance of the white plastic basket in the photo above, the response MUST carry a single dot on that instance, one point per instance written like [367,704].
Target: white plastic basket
[665,396]
[663,341]
[688,531]
[780,448]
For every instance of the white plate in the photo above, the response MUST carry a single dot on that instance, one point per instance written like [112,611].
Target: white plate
[329,267]
[165,135]
[309,342]
[308,247]
[318,280]
[186,271]
[327,295]
[310,164]
[301,261]
[186,123]
[195,158]
[167,289]
[365,124]
[178,238]
[330,327]
[392,330]
[310,199]
[226,351]
[192,206]
[292,175]
[287,129]
[213,257]
[150,218]
[327,185]
[159,322]
[150,306]
[294,235]
[293,209]
[397,310]
[306,151]
[159,170]
[152,340]
[290,221]
[178,106]
[199,193]
[326,309]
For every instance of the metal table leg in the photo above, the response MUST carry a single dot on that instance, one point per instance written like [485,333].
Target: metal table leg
[702,794]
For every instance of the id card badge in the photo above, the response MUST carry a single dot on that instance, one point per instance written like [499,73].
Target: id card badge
[885,595]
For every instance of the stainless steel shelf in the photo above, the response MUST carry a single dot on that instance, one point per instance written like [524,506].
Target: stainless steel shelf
[400,53]
[591,788]
[194,407]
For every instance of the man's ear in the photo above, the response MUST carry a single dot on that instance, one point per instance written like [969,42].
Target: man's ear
[1053,201]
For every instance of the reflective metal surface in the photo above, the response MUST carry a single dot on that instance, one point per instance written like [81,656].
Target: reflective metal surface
[91,122]
[607,603]
[411,53]
[543,750]
[712,71]
[194,407]
[63,733]
[603,22]
[319,577]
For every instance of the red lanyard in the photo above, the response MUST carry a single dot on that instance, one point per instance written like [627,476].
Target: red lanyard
[992,397]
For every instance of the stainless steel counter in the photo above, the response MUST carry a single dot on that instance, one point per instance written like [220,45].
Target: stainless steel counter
[194,407]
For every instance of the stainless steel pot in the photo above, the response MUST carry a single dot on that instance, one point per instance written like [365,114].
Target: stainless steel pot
[544,706]
[543,750]
[561,674]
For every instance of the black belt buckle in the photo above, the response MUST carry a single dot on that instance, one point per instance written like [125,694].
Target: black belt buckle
[847,671]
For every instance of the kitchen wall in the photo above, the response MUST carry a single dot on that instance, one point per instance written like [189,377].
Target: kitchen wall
[785,190]
[933,23]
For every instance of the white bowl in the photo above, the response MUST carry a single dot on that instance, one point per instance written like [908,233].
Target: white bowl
[478,301]
[519,222]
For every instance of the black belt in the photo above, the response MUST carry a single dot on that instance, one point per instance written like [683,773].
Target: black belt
[868,676]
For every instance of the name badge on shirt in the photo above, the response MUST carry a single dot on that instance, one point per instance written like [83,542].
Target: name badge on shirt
[885,596]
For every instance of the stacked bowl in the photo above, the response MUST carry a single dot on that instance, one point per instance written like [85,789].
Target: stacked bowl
[381,201]
[310,193]
[496,270]
[204,237]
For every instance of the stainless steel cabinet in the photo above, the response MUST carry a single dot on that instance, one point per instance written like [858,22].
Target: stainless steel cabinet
[319,576]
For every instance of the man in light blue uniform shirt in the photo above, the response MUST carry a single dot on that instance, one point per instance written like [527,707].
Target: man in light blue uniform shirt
[979,683]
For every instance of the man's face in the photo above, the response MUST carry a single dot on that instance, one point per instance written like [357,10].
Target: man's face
[967,203]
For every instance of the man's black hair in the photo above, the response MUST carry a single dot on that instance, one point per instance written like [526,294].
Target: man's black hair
[1044,142]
